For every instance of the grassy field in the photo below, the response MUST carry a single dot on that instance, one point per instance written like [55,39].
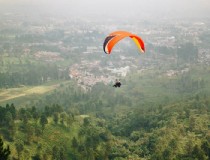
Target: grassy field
[26,94]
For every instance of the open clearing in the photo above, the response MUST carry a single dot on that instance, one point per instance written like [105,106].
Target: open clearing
[12,93]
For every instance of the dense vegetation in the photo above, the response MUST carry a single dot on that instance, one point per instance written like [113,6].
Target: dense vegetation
[150,117]
[4,152]
[28,73]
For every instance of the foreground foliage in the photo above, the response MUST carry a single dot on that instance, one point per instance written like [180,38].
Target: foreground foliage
[131,123]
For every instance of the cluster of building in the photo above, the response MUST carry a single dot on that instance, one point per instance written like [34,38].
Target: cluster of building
[85,38]
[48,56]
[87,74]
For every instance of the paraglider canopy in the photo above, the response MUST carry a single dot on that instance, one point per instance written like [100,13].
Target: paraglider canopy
[113,38]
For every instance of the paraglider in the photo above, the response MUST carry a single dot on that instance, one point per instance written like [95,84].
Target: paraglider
[117,83]
[113,38]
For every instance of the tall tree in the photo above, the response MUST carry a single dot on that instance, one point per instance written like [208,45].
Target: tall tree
[19,148]
[4,152]
[43,121]
[10,125]
[55,153]
[206,148]
[36,157]
[56,117]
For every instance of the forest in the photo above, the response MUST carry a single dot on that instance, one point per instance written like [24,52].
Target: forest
[150,117]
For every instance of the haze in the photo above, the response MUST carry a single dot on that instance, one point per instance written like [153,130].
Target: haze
[111,8]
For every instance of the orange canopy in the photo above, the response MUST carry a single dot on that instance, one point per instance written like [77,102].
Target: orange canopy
[115,37]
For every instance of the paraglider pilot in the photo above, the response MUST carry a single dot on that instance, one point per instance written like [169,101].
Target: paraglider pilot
[117,83]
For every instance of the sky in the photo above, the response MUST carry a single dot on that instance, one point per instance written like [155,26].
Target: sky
[109,8]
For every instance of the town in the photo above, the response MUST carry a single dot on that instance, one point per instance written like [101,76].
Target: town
[77,44]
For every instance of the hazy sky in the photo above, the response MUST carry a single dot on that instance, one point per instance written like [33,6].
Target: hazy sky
[120,8]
